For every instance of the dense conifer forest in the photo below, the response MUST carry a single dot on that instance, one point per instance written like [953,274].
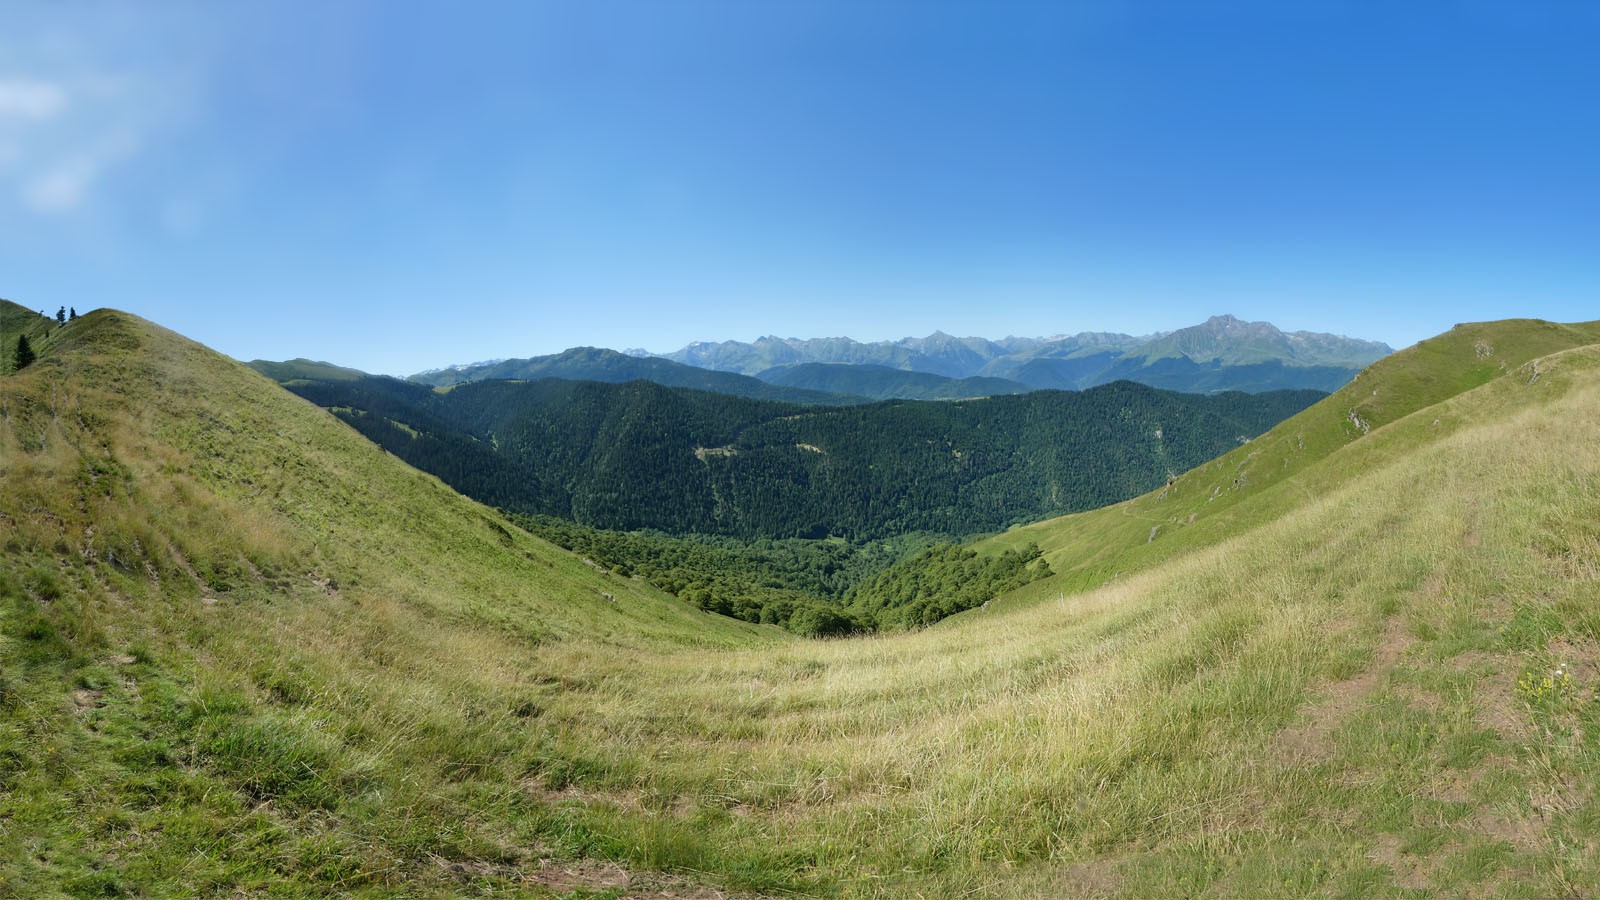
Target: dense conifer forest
[823,520]
[642,456]
[817,588]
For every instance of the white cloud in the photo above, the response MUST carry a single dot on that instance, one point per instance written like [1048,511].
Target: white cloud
[61,188]
[84,100]
[31,99]
[54,155]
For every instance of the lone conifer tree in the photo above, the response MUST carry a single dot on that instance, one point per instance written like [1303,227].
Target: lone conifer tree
[61,316]
[24,357]
[72,314]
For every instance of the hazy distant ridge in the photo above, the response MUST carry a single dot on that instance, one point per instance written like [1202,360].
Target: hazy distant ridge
[1202,357]
[611,367]
[1221,354]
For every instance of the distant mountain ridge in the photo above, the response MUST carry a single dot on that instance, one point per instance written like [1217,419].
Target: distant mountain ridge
[884,383]
[936,354]
[1222,353]
[304,369]
[611,367]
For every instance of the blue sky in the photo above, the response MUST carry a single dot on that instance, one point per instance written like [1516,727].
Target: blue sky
[396,186]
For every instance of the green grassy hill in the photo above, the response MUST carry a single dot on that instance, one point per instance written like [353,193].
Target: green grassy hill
[291,370]
[245,649]
[1207,503]
[16,321]
[246,652]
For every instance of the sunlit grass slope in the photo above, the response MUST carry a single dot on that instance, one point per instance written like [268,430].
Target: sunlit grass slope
[242,647]
[1382,684]
[1389,689]
[1297,459]
[17,321]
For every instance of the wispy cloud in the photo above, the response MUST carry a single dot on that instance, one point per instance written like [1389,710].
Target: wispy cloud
[31,99]
[56,139]
[61,188]
[63,185]
[81,101]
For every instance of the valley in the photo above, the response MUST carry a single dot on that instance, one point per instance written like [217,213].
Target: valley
[799,451]
[245,650]
[640,455]
[841,484]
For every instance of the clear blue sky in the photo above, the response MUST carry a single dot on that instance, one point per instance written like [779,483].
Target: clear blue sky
[396,186]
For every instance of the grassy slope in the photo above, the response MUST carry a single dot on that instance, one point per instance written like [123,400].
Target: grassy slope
[376,643]
[305,370]
[1284,467]
[1344,693]
[17,320]
[1347,700]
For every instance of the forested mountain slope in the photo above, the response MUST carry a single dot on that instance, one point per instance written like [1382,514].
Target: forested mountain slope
[611,367]
[884,383]
[640,455]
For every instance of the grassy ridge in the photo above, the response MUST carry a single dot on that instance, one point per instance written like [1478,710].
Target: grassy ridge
[245,650]
[16,321]
[1383,686]
[1266,478]
[1348,700]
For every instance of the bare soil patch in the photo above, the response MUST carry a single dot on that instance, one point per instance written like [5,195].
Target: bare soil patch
[1090,878]
[629,801]
[1499,708]
[565,876]
[1582,658]
[1410,872]
[1312,740]
[83,698]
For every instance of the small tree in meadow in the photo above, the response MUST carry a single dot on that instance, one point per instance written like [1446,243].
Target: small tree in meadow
[24,357]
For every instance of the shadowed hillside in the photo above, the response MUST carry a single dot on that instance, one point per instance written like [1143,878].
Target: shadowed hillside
[611,367]
[882,382]
[640,455]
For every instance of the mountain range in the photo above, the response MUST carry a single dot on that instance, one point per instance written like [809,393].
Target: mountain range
[1258,351]
[609,366]
[1220,354]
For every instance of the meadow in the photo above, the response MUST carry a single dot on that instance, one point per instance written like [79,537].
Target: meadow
[242,650]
